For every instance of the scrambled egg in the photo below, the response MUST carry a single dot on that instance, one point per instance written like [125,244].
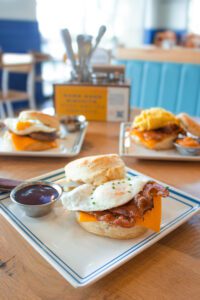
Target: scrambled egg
[154,118]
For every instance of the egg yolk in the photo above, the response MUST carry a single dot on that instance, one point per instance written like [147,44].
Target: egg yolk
[21,125]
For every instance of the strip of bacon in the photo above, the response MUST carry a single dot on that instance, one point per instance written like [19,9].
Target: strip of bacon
[126,215]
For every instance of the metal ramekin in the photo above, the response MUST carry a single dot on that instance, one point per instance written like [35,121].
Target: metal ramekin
[73,123]
[40,209]
[192,151]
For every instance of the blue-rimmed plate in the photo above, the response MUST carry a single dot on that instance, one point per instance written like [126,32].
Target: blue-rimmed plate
[83,258]
[3,195]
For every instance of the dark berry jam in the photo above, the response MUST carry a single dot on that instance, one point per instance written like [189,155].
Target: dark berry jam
[36,194]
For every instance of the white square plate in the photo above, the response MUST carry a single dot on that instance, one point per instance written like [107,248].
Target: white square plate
[127,147]
[83,258]
[69,146]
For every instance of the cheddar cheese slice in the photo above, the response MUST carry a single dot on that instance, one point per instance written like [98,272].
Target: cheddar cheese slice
[84,217]
[151,220]
[23,143]
[150,143]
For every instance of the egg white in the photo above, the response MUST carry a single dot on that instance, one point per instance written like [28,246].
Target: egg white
[111,194]
[36,126]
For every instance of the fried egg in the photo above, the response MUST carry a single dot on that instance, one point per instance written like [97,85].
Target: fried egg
[111,194]
[24,127]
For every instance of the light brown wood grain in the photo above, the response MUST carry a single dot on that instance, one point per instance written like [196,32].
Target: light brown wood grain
[177,55]
[170,269]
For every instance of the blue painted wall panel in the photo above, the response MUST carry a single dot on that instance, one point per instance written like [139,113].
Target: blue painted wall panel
[20,37]
[134,73]
[169,86]
[198,106]
[150,84]
[173,86]
[189,89]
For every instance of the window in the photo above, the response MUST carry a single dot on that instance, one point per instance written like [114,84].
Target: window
[123,18]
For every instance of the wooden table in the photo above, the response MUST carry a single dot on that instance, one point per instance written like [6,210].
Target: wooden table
[170,269]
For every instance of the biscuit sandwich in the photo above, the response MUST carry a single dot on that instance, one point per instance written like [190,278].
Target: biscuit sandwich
[189,124]
[32,131]
[156,128]
[109,202]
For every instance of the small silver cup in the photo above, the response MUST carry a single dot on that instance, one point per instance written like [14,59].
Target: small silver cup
[73,123]
[38,210]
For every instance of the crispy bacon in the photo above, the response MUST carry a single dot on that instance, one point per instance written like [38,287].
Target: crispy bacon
[159,134]
[126,215]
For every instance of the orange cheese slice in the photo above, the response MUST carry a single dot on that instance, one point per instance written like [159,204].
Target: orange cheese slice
[22,143]
[84,217]
[151,220]
[148,143]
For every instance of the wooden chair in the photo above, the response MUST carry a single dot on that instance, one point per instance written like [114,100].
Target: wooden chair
[9,96]
[41,60]
[51,71]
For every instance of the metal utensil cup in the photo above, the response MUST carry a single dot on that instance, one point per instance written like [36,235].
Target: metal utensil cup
[82,71]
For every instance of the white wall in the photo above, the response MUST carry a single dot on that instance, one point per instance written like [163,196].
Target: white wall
[129,26]
[193,22]
[167,14]
[124,18]
[18,10]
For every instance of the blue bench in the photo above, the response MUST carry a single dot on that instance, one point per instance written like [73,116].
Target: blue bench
[174,86]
